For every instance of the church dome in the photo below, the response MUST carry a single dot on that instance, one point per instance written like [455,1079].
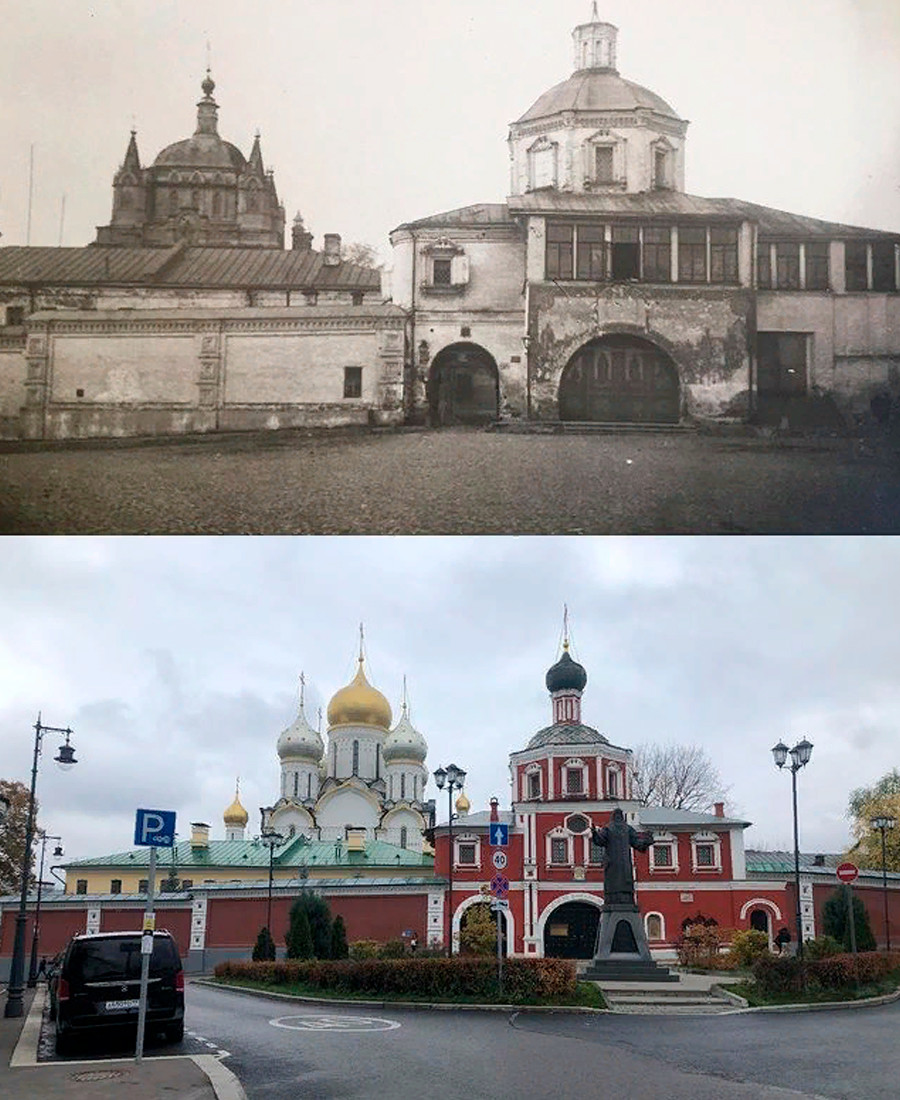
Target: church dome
[566,733]
[202,151]
[597,90]
[300,741]
[463,805]
[404,742]
[359,704]
[236,814]
[566,674]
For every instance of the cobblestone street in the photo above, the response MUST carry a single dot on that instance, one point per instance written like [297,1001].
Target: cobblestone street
[450,482]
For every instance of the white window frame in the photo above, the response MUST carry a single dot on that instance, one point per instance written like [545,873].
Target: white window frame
[543,146]
[706,838]
[560,834]
[445,249]
[530,770]
[614,770]
[466,838]
[607,139]
[575,764]
[662,145]
[662,927]
[672,841]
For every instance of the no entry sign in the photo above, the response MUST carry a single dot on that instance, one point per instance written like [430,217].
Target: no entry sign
[847,872]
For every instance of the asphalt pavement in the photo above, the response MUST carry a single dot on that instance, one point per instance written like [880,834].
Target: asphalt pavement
[312,1051]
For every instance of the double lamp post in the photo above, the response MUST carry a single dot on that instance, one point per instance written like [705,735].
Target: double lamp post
[452,778]
[800,755]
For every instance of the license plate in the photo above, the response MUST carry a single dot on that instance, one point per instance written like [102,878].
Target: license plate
[122,1006]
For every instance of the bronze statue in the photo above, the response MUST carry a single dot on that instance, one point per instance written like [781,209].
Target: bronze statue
[618,838]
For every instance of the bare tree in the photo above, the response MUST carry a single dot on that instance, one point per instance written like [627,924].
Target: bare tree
[358,253]
[681,777]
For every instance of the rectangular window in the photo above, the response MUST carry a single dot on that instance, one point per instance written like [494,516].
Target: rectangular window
[187,883]
[626,259]
[706,855]
[144,883]
[596,852]
[855,265]
[612,783]
[534,785]
[356,298]
[559,251]
[691,254]
[311,296]
[559,850]
[115,886]
[657,254]
[763,266]
[817,265]
[296,783]
[574,781]
[15,315]
[883,274]
[723,255]
[603,164]
[660,168]
[787,265]
[465,853]
[352,381]
[442,272]
[591,253]
[662,855]
[81,886]
[402,785]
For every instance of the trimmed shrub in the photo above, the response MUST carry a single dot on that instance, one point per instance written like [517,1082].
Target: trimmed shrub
[393,949]
[748,946]
[840,971]
[524,980]
[478,935]
[319,917]
[821,947]
[364,949]
[299,940]
[778,974]
[264,948]
[339,949]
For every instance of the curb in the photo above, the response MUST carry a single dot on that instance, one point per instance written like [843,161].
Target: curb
[823,1006]
[408,1005]
[225,1084]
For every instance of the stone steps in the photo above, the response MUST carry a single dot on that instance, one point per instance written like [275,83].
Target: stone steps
[681,1000]
[586,427]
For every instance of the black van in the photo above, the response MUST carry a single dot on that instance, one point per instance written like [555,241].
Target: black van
[98,985]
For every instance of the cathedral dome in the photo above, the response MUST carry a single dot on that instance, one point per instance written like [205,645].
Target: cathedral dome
[300,741]
[404,742]
[566,674]
[359,704]
[236,814]
[596,90]
[202,151]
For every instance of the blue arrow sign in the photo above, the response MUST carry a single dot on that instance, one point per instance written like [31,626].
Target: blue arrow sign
[499,834]
[154,828]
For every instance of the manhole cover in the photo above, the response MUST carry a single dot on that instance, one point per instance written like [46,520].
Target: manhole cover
[99,1075]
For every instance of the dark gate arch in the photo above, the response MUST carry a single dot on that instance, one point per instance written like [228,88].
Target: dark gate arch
[620,378]
[571,931]
[463,386]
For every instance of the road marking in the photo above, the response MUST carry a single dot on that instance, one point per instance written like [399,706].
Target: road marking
[320,1023]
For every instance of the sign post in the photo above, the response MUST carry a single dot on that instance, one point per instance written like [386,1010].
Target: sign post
[847,873]
[152,829]
[499,838]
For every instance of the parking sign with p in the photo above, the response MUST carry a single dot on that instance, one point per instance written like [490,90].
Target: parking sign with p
[154,828]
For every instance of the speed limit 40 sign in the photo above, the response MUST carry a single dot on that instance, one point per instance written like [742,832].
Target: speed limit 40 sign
[499,859]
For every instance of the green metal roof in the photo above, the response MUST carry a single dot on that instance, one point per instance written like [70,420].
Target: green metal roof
[250,853]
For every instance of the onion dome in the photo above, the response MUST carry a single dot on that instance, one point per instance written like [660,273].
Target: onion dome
[300,741]
[359,704]
[236,814]
[463,805]
[566,674]
[404,742]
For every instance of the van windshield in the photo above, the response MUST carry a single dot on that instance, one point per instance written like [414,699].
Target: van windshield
[118,959]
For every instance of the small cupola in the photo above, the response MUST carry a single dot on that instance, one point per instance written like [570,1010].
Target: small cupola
[566,681]
[595,45]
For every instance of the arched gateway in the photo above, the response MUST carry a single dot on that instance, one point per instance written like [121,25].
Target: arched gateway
[463,386]
[620,378]
[571,931]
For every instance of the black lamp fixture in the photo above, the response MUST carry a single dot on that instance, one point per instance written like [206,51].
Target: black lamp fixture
[66,759]
[272,839]
[452,778]
[36,930]
[800,756]
[884,822]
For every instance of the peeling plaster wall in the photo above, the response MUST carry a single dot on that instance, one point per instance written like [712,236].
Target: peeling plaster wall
[12,385]
[706,331]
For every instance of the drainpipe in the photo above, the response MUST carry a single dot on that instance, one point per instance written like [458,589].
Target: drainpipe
[526,340]
[412,328]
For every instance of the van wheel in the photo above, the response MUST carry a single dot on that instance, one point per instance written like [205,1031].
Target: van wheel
[175,1032]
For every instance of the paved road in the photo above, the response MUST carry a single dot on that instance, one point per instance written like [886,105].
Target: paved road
[320,1053]
[450,482]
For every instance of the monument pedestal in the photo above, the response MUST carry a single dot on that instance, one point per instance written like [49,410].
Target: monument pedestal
[621,953]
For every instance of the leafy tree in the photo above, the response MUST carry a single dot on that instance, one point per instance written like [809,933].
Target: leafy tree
[318,920]
[681,777]
[882,799]
[12,837]
[339,946]
[359,253]
[835,923]
[478,935]
[264,948]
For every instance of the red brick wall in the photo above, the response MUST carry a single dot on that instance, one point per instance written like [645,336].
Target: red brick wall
[176,921]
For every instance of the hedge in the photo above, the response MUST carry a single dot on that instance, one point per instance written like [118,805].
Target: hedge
[785,974]
[524,980]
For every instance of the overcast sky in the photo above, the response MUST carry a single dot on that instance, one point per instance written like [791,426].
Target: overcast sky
[176,661]
[375,112]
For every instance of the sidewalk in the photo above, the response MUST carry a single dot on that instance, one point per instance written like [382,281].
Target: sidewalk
[198,1077]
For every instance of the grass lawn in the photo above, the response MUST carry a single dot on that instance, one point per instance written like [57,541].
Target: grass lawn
[586,995]
[757,999]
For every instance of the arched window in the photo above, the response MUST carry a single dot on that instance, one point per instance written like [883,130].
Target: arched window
[296,783]
[217,204]
[654,926]
[309,784]
[378,761]
[334,760]
[403,785]
[173,200]
[356,758]
[612,784]
[403,835]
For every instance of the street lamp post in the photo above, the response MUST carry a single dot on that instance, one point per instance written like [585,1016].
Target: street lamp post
[36,930]
[452,778]
[800,755]
[65,758]
[273,840]
[883,823]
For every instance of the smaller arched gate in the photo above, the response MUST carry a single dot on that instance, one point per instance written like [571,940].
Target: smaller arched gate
[463,386]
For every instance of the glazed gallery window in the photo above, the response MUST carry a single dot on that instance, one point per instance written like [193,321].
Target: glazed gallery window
[657,254]
[353,388]
[591,252]
[856,265]
[692,254]
[559,850]
[883,267]
[560,251]
[787,265]
[817,265]
[626,252]
[723,255]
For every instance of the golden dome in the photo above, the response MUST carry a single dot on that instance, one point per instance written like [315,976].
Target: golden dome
[463,805]
[236,814]
[359,704]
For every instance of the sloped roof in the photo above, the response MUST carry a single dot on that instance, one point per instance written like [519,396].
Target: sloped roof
[658,816]
[485,213]
[183,266]
[782,863]
[596,90]
[568,733]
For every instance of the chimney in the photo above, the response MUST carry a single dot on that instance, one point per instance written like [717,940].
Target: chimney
[495,809]
[199,834]
[719,809]
[356,840]
[332,255]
